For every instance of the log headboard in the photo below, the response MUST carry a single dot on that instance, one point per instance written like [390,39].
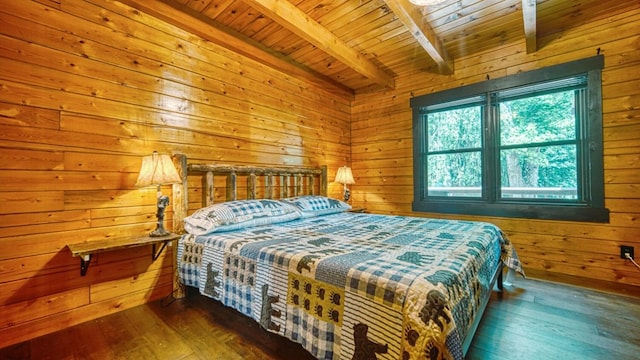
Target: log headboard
[261,182]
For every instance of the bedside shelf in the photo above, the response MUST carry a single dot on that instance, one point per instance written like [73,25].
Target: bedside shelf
[85,250]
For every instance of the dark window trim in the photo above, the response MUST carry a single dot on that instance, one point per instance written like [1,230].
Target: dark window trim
[592,210]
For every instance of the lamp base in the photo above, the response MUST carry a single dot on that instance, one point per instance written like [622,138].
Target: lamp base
[163,201]
[159,232]
[347,194]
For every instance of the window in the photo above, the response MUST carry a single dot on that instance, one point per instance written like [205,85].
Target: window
[527,145]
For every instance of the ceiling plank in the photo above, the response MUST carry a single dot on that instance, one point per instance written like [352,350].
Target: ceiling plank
[295,20]
[411,16]
[186,19]
[529,19]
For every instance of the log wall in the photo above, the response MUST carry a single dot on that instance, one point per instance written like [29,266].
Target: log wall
[87,88]
[586,253]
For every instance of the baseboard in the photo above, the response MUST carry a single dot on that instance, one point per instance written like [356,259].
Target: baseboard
[594,284]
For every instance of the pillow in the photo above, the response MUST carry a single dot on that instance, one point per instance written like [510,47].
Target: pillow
[239,214]
[315,205]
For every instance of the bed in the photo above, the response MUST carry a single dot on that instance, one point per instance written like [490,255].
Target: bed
[344,285]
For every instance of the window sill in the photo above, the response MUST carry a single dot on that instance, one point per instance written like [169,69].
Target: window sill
[527,211]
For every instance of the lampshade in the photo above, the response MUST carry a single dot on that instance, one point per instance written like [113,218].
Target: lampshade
[344,176]
[157,170]
[425,2]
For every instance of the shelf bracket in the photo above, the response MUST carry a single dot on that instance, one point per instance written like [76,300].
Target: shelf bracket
[85,260]
[154,254]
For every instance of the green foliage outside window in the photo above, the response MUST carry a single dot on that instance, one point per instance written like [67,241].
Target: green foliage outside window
[539,119]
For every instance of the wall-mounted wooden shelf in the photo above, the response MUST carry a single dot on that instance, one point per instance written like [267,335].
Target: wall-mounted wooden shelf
[85,250]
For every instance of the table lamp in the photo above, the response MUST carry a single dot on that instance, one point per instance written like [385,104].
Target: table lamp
[344,176]
[158,170]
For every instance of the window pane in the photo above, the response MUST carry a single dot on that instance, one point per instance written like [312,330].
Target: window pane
[547,172]
[458,174]
[538,119]
[455,129]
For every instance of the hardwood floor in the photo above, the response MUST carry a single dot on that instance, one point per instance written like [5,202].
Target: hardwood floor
[545,320]
[531,319]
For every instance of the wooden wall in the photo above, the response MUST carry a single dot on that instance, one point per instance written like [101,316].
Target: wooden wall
[586,253]
[86,89]
[89,87]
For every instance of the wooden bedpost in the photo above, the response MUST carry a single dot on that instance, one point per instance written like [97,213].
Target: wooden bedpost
[180,207]
[180,204]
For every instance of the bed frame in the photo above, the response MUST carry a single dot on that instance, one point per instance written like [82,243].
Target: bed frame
[277,183]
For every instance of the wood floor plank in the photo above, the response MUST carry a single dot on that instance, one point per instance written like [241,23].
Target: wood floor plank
[530,319]
[114,329]
[89,339]
[44,349]
[162,340]
[565,319]
[559,341]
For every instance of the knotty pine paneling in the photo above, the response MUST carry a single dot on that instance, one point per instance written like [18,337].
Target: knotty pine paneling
[86,89]
[19,312]
[382,154]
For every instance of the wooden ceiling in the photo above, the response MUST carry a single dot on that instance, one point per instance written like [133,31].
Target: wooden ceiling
[359,45]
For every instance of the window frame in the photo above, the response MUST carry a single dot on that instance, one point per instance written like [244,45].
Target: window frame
[590,162]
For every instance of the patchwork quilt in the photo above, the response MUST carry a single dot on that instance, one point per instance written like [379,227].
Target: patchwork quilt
[354,286]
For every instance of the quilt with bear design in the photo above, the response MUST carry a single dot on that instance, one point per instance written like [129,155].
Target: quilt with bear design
[354,286]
